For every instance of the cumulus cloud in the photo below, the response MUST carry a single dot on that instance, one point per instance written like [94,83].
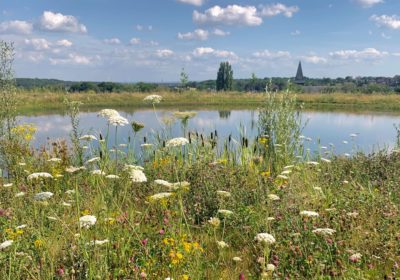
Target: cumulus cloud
[112,41]
[198,34]
[272,55]
[219,32]
[368,53]
[38,44]
[192,2]
[16,27]
[295,33]
[368,3]
[135,41]
[392,22]
[64,43]
[164,53]
[314,59]
[277,9]
[58,22]
[231,15]
[74,58]
[206,51]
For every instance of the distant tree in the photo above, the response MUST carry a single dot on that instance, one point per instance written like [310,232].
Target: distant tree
[184,78]
[224,77]
[253,81]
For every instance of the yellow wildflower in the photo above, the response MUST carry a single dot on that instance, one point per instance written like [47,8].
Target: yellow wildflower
[38,243]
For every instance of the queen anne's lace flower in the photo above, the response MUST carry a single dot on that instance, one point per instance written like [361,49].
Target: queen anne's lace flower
[88,137]
[107,113]
[176,142]
[160,196]
[87,221]
[117,120]
[6,244]
[324,231]
[38,175]
[138,176]
[43,196]
[265,238]
[154,98]
[309,214]
[225,212]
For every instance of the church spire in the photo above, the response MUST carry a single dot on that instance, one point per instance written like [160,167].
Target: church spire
[299,75]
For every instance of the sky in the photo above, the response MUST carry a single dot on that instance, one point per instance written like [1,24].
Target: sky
[152,40]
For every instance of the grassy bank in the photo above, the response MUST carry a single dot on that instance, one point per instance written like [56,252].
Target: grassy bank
[36,102]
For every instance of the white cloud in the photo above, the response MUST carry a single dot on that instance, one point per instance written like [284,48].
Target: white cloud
[368,3]
[198,34]
[139,27]
[58,22]
[272,55]
[64,43]
[219,32]
[231,15]
[206,51]
[368,53]
[38,43]
[16,27]
[73,58]
[135,41]
[392,22]
[314,59]
[295,33]
[112,41]
[385,36]
[164,53]
[277,9]
[192,2]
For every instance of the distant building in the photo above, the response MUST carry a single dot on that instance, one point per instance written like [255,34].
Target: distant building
[299,79]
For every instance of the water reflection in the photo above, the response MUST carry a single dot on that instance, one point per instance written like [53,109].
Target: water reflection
[374,130]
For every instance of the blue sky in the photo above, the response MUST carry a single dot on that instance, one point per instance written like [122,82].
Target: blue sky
[151,40]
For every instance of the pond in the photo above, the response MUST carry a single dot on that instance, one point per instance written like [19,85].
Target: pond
[374,130]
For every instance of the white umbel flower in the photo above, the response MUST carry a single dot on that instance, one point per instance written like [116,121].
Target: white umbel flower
[99,242]
[8,185]
[38,175]
[222,244]
[176,142]
[265,238]
[138,176]
[160,196]
[88,137]
[225,212]
[98,172]
[87,221]
[6,244]
[273,197]
[324,231]
[117,120]
[43,196]
[154,98]
[309,214]
[223,194]
[95,159]
[112,176]
[162,183]
[107,113]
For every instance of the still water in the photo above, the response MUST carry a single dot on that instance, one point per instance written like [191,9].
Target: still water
[374,130]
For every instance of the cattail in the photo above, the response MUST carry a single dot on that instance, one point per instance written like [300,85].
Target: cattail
[163,144]
[101,154]
[101,136]
[144,139]
[216,134]
[246,142]
[212,135]
[230,138]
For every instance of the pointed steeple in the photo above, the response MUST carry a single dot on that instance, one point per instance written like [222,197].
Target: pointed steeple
[299,75]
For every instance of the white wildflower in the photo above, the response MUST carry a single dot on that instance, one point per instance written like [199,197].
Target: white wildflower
[117,120]
[176,142]
[138,176]
[132,167]
[99,242]
[95,159]
[98,172]
[107,113]
[69,192]
[154,98]
[37,175]
[8,185]
[326,160]
[88,137]
[184,115]
[309,213]
[160,196]
[20,194]
[178,185]
[324,231]
[162,183]
[270,267]
[270,219]
[237,259]
[214,221]
[273,197]
[66,204]
[312,163]
[286,172]
[112,176]
[43,196]
[54,160]
[265,238]
[73,169]
[87,221]
[21,226]
[6,244]
[222,244]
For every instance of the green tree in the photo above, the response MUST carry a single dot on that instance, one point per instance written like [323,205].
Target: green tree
[224,77]
[184,78]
